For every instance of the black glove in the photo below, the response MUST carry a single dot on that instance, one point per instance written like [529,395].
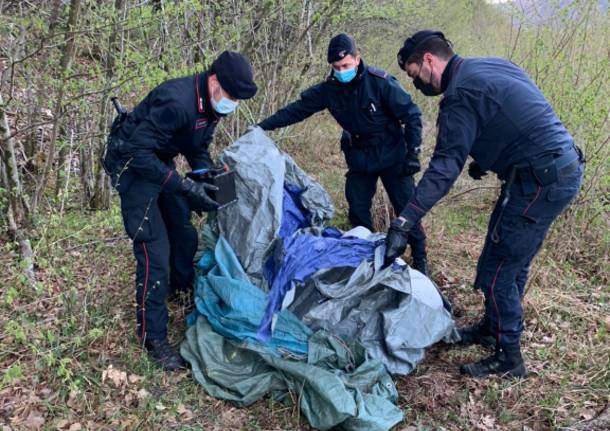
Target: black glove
[197,194]
[411,165]
[396,240]
[475,171]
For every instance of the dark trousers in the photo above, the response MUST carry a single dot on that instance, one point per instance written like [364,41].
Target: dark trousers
[503,266]
[164,244]
[360,189]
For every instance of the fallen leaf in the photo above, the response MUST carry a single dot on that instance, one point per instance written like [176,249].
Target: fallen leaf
[117,377]
[143,393]
[61,424]
[34,420]
[75,427]
[185,413]
[134,378]
[160,407]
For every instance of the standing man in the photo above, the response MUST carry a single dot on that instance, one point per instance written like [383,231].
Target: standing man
[381,134]
[177,117]
[493,112]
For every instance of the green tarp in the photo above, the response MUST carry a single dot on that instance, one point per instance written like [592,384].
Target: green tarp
[336,386]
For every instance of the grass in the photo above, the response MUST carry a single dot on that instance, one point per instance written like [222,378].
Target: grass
[70,360]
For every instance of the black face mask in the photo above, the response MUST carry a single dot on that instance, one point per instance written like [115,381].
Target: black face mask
[426,89]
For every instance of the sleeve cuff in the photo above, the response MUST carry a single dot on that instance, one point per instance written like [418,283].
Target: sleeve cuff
[412,212]
[172,182]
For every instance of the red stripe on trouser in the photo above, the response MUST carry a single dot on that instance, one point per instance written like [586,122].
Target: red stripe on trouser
[144,293]
[533,200]
[493,298]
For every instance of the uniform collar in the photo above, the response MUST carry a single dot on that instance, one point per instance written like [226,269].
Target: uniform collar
[452,67]
[204,106]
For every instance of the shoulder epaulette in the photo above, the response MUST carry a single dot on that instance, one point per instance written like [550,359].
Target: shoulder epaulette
[380,73]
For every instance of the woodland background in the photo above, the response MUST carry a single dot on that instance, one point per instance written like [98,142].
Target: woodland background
[68,357]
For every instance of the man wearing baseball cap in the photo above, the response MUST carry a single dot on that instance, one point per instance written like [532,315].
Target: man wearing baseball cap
[177,117]
[381,133]
[493,112]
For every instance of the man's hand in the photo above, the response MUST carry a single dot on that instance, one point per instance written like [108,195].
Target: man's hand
[396,240]
[475,171]
[411,165]
[197,194]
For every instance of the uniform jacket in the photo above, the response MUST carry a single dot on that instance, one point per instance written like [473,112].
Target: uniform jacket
[492,111]
[371,108]
[175,118]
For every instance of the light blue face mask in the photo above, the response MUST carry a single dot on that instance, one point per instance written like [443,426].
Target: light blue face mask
[345,76]
[224,106]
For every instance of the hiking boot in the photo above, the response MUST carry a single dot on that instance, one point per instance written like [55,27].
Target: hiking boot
[164,354]
[479,333]
[505,363]
[421,264]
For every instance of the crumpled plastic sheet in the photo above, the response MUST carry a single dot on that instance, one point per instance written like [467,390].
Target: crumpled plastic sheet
[252,223]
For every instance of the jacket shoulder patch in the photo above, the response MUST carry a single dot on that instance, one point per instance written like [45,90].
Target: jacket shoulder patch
[380,73]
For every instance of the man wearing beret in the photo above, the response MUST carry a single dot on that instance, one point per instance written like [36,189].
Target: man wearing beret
[493,112]
[381,133]
[177,117]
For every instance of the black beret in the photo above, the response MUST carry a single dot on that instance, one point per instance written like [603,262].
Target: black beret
[340,46]
[408,48]
[234,73]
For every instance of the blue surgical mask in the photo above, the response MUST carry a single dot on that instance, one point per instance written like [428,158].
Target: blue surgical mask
[224,106]
[345,76]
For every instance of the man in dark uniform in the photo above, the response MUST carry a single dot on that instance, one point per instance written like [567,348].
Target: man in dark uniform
[177,117]
[493,112]
[381,133]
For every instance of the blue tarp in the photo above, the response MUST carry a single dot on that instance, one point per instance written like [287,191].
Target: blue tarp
[234,307]
[299,255]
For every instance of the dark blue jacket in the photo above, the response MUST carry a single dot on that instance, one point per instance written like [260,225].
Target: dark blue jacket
[370,107]
[492,111]
[175,118]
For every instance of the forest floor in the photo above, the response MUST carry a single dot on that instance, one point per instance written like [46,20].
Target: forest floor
[70,361]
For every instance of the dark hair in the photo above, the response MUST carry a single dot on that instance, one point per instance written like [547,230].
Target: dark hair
[437,46]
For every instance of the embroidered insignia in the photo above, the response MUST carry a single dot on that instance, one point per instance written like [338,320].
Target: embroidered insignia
[201,123]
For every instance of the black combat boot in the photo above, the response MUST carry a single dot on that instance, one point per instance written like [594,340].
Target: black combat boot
[421,264]
[164,354]
[479,333]
[506,362]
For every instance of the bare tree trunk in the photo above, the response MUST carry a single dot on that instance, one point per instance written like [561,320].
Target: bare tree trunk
[61,163]
[100,198]
[18,214]
[66,62]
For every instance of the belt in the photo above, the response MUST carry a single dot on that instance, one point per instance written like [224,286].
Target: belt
[563,164]
[568,162]
[541,172]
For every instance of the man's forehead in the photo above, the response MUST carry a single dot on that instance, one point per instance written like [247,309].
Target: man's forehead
[347,59]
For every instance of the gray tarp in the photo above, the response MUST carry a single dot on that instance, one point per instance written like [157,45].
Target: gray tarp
[253,223]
